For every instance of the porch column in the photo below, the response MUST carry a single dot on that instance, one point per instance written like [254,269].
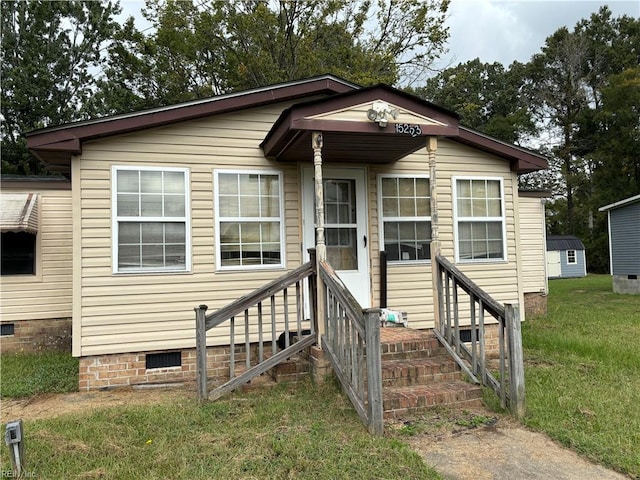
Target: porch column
[321,249]
[432,147]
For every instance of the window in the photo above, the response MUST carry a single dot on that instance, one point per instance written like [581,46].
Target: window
[18,253]
[405,217]
[249,219]
[150,221]
[571,257]
[480,224]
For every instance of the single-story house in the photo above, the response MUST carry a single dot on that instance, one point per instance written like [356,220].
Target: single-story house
[565,257]
[624,244]
[207,200]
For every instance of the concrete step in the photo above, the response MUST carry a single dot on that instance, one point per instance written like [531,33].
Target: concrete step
[402,401]
[419,371]
[404,343]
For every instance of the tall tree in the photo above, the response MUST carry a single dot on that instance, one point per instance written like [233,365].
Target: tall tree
[584,91]
[198,50]
[51,54]
[487,97]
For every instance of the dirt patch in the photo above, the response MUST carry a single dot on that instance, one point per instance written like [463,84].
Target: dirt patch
[53,405]
[480,445]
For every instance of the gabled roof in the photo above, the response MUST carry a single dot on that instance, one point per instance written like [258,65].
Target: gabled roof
[357,140]
[621,203]
[563,242]
[56,145]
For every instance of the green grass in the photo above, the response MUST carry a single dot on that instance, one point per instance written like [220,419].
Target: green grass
[582,369]
[24,375]
[306,431]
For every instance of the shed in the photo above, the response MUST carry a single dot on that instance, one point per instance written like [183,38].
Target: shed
[565,257]
[624,244]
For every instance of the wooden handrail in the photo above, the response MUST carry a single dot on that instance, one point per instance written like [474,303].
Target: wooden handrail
[347,300]
[511,368]
[352,344]
[493,307]
[258,295]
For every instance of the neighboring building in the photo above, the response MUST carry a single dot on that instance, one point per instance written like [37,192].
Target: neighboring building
[533,247]
[207,200]
[35,285]
[565,257]
[624,244]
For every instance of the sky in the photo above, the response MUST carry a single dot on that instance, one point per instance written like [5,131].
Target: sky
[505,31]
[495,30]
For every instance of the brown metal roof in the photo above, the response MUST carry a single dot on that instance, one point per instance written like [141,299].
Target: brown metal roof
[55,145]
[354,141]
[290,137]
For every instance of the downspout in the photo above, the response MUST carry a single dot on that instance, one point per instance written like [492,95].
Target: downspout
[321,249]
[432,147]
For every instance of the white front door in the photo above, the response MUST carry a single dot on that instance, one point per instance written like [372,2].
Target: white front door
[345,226]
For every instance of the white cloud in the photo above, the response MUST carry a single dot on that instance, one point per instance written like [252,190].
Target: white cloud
[504,31]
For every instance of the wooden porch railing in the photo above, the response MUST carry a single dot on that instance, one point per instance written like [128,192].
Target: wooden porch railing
[471,356]
[352,343]
[257,312]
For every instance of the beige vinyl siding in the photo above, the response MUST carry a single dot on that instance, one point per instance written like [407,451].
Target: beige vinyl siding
[532,240]
[410,285]
[47,294]
[146,312]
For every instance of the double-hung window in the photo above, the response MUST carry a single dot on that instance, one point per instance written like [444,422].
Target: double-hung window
[571,257]
[150,219]
[405,217]
[249,219]
[479,219]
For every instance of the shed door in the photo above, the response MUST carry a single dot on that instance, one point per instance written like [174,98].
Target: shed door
[553,264]
[345,229]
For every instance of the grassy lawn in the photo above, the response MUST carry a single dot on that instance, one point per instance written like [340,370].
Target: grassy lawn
[583,371]
[306,431]
[24,375]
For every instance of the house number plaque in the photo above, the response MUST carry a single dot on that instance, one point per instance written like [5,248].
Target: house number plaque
[408,129]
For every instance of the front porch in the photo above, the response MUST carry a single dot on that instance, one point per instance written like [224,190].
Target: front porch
[386,372]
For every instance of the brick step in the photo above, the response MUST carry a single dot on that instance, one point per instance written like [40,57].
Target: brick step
[419,371]
[400,401]
[405,343]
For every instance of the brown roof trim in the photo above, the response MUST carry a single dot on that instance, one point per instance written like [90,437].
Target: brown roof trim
[294,120]
[350,98]
[535,193]
[69,138]
[34,182]
[527,161]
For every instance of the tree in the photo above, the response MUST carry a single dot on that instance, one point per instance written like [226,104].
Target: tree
[200,50]
[585,91]
[51,53]
[486,96]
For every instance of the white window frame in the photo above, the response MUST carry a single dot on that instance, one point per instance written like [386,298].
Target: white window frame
[219,219]
[575,257]
[457,219]
[382,218]
[116,220]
